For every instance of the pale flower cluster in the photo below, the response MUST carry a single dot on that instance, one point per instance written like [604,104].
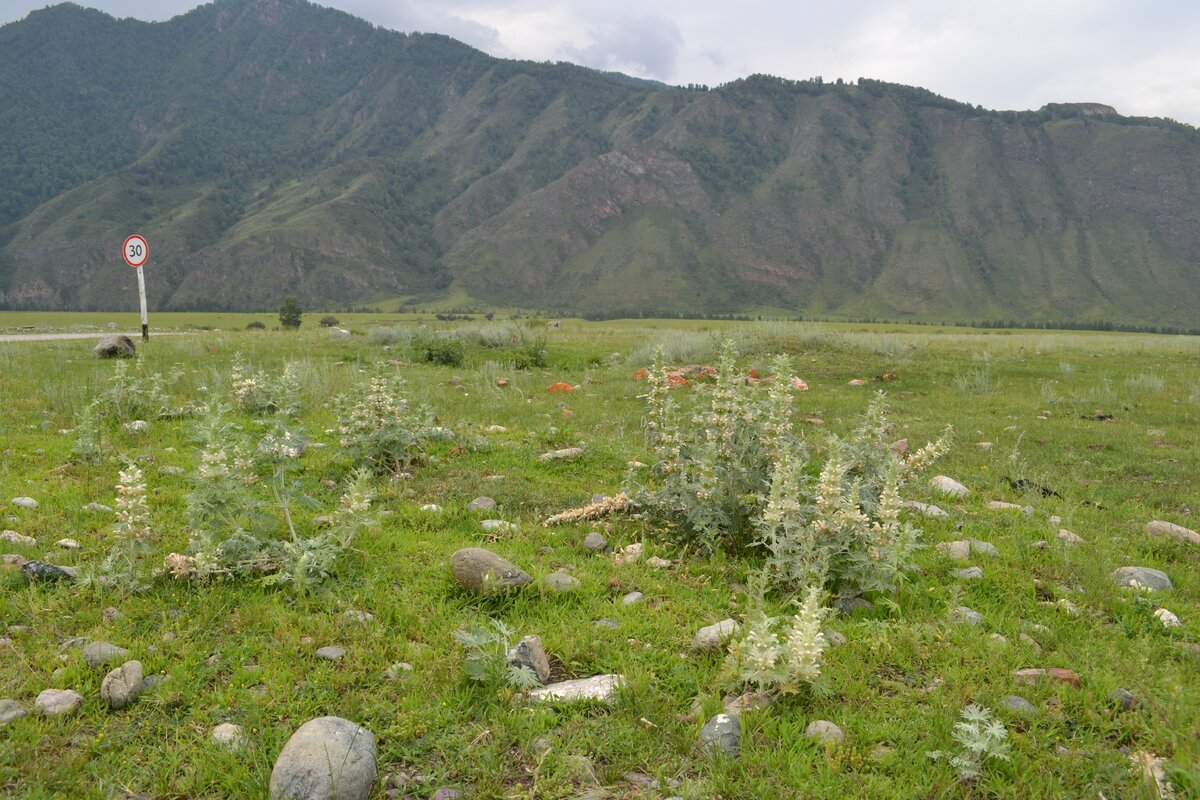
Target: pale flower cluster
[133,515]
[774,663]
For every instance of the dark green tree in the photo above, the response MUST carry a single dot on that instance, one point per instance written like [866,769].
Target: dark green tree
[289,312]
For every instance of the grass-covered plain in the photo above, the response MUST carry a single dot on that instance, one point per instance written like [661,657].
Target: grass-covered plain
[238,652]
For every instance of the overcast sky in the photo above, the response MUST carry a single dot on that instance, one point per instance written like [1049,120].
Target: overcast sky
[1141,56]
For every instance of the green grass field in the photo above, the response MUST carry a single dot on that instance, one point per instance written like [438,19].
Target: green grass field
[1108,425]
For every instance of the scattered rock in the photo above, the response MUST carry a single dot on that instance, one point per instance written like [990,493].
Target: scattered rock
[927,509]
[602,688]
[611,624]
[97,508]
[949,486]
[57,702]
[16,538]
[446,793]
[824,731]
[1019,705]
[566,452]
[967,615]
[28,503]
[11,710]
[750,701]
[628,554]
[1000,505]
[969,574]
[1029,640]
[68,544]
[1171,531]
[722,734]
[111,614]
[326,758]
[1070,539]
[496,525]
[41,571]
[1031,675]
[1066,676]
[713,637]
[834,638]
[114,347]
[1168,619]
[658,563]
[13,560]
[958,550]
[137,426]
[330,652]
[434,507]
[99,654]
[561,582]
[633,598]
[354,615]
[122,686]
[481,504]
[530,653]
[998,639]
[1123,699]
[482,571]
[595,541]
[899,447]
[1142,578]
[983,548]
[228,736]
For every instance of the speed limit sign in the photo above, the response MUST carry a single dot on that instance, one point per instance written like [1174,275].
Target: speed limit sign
[136,251]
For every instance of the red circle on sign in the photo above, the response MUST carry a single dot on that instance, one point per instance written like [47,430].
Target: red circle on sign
[135,250]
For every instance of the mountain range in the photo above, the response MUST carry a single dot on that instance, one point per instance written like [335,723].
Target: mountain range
[275,147]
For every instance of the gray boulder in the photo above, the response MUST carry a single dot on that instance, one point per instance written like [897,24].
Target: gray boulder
[10,710]
[46,573]
[1019,705]
[122,686]
[1142,578]
[595,541]
[1170,530]
[328,758]
[481,504]
[713,637]
[482,571]
[722,734]
[561,582]
[530,653]
[98,654]
[824,731]
[600,688]
[114,346]
[56,702]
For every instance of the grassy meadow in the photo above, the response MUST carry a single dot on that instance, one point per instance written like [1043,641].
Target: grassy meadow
[1100,430]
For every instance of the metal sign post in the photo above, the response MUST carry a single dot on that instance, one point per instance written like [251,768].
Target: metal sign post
[136,251]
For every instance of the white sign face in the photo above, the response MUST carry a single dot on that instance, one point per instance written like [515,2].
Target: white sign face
[135,250]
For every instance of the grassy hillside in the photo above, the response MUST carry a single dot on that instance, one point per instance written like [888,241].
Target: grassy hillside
[273,147]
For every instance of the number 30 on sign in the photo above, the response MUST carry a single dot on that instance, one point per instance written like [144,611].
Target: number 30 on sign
[136,251]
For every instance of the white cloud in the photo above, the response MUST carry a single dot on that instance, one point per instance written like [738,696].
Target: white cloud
[1137,55]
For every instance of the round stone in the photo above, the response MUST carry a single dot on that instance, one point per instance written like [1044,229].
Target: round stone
[326,758]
